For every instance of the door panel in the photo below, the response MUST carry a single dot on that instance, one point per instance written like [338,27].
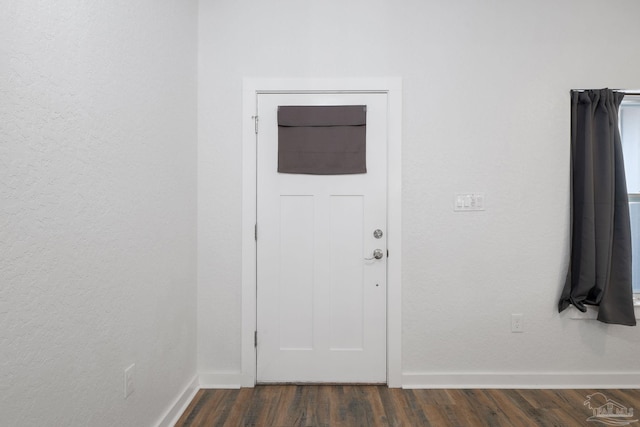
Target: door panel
[347,273]
[296,273]
[321,307]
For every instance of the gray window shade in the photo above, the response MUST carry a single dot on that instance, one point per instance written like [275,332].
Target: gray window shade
[322,140]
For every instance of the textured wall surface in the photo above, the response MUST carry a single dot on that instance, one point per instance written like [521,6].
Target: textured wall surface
[485,109]
[97,209]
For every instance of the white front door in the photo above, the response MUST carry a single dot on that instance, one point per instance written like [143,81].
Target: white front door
[321,305]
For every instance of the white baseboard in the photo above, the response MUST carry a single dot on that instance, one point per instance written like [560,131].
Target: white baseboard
[175,411]
[580,380]
[222,380]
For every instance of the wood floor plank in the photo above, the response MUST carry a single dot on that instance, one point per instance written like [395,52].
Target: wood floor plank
[387,399]
[469,412]
[281,405]
[297,413]
[487,411]
[540,398]
[433,403]
[323,416]
[380,406]
[194,408]
[227,404]
[316,412]
[436,415]
[517,415]
[378,414]
[353,409]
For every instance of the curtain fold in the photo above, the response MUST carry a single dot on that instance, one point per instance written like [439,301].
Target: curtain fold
[599,272]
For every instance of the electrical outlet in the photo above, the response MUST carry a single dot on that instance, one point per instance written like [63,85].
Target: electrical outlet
[517,322]
[129,375]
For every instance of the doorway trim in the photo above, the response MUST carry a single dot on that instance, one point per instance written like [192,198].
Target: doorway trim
[251,89]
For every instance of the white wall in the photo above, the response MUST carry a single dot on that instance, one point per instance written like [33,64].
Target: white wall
[97,210]
[486,109]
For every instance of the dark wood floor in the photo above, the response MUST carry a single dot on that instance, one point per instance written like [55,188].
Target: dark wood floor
[341,405]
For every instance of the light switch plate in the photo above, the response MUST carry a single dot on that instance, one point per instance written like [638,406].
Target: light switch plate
[468,202]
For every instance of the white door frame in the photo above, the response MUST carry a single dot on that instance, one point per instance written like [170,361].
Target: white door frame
[251,89]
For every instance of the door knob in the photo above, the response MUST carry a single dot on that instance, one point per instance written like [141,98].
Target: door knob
[377,254]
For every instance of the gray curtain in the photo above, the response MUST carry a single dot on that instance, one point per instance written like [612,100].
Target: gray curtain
[322,140]
[599,271]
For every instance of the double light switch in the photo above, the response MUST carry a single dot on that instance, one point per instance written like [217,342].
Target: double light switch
[469,202]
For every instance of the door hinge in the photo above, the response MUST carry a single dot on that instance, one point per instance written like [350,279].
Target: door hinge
[255,232]
[387,253]
[255,121]
[255,338]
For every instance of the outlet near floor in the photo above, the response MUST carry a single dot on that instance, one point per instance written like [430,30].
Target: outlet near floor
[517,322]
